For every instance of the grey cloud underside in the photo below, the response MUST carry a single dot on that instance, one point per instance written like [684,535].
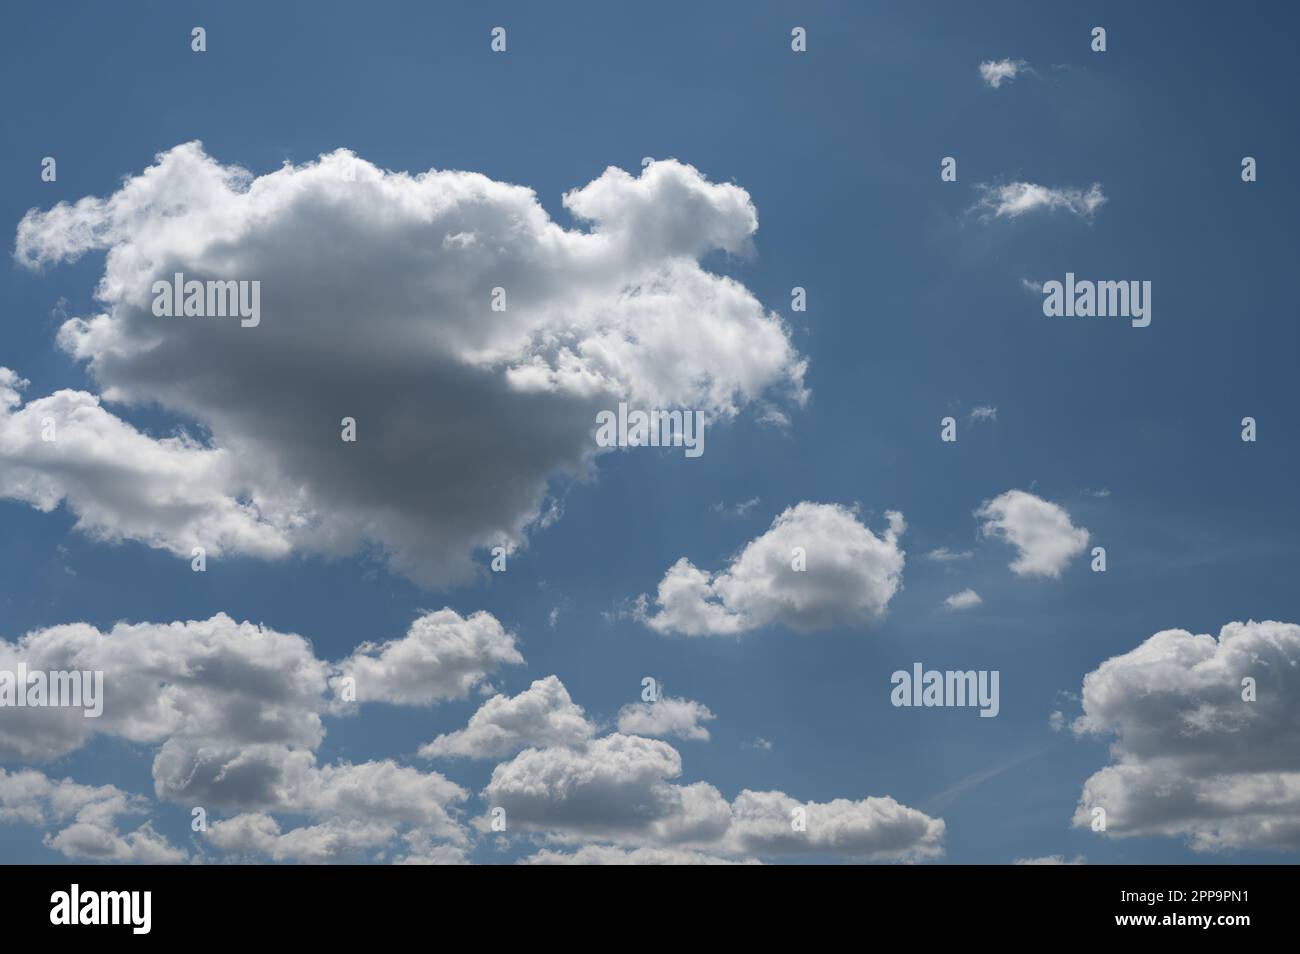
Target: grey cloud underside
[375,304]
[1192,757]
[235,714]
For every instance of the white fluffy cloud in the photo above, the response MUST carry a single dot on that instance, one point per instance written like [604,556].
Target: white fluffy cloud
[850,576]
[873,829]
[996,72]
[234,712]
[172,493]
[1018,198]
[86,818]
[442,656]
[966,599]
[540,716]
[668,717]
[375,304]
[615,788]
[216,681]
[1190,756]
[259,836]
[621,790]
[1041,531]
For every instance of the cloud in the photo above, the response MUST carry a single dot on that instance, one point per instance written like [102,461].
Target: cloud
[215,680]
[332,841]
[667,717]
[442,656]
[737,509]
[1051,860]
[234,714]
[984,413]
[1041,532]
[966,599]
[945,555]
[88,814]
[542,715]
[375,305]
[850,577]
[1189,756]
[171,493]
[620,790]
[1018,198]
[996,72]
[616,788]
[611,855]
[873,829]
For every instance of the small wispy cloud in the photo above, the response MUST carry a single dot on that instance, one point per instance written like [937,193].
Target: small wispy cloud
[1015,199]
[996,72]
[985,412]
[736,509]
[945,555]
[966,599]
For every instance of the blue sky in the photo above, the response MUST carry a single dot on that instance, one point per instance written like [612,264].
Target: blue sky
[916,311]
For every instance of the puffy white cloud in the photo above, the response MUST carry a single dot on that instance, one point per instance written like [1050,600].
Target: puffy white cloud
[996,72]
[424,849]
[1191,757]
[171,493]
[215,680]
[620,790]
[873,829]
[1018,198]
[542,715]
[235,713]
[442,656]
[617,788]
[966,599]
[1040,530]
[375,304]
[332,841]
[667,717]
[89,814]
[850,577]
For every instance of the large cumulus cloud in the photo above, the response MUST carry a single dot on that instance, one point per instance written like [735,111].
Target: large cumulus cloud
[848,577]
[620,798]
[376,291]
[235,715]
[1192,755]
